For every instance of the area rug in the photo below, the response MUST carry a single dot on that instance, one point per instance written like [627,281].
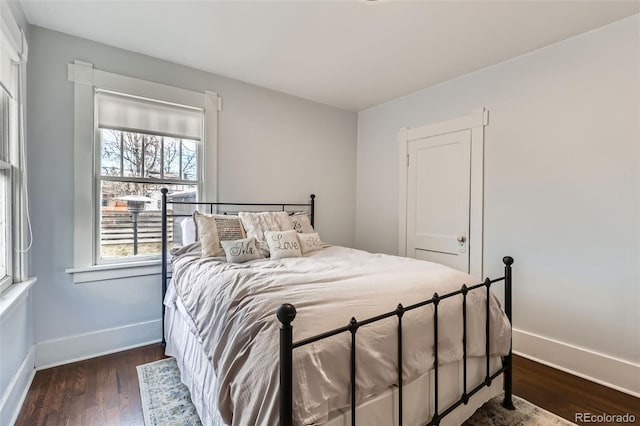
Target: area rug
[165,399]
[166,402]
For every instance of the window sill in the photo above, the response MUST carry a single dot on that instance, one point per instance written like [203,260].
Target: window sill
[13,295]
[114,271]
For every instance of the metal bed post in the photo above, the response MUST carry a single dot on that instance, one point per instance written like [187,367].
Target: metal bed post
[465,396]
[312,208]
[353,327]
[400,313]
[286,313]
[508,378]
[164,256]
[487,379]
[435,420]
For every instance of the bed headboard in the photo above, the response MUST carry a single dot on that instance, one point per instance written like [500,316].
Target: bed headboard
[214,207]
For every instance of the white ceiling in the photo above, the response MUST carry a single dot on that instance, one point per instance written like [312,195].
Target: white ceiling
[351,54]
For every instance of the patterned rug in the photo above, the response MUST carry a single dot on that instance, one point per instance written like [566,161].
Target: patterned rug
[166,402]
[165,399]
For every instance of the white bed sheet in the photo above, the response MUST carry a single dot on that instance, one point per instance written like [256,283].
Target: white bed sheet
[198,375]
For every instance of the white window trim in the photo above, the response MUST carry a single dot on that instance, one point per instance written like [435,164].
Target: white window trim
[86,79]
[11,272]
[14,296]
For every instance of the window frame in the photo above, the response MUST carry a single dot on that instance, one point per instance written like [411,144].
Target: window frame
[8,279]
[5,171]
[8,147]
[87,80]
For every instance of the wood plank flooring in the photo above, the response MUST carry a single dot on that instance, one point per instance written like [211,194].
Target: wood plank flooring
[104,391]
[98,391]
[565,394]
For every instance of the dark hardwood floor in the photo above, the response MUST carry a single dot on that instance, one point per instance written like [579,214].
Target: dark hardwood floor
[565,394]
[104,391]
[98,391]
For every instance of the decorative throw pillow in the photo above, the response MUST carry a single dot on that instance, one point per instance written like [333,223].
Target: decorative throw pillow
[211,229]
[309,242]
[283,244]
[301,222]
[257,223]
[240,251]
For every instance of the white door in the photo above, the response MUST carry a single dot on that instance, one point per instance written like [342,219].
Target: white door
[438,194]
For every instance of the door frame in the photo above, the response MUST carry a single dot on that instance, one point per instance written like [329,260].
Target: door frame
[475,121]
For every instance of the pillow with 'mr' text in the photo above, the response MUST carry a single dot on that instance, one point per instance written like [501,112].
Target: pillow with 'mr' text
[240,251]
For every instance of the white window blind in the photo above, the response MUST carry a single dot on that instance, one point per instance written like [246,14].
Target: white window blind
[127,113]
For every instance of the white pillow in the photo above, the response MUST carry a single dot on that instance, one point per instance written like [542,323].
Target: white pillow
[301,222]
[309,242]
[211,229]
[188,228]
[240,251]
[283,244]
[257,223]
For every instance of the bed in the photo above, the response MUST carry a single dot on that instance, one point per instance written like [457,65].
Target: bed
[403,341]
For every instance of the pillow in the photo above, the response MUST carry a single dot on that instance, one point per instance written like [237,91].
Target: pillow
[283,244]
[240,251]
[257,223]
[309,242]
[188,229]
[211,229]
[301,222]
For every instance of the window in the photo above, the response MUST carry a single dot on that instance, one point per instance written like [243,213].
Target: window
[142,145]
[13,221]
[5,192]
[131,138]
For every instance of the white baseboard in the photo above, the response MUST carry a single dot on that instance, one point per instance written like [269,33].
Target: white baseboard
[84,346]
[617,374]
[16,392]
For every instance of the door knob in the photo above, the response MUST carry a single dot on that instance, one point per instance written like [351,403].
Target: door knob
[461,238]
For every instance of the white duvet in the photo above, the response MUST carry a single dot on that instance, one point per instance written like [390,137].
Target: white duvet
[233,308]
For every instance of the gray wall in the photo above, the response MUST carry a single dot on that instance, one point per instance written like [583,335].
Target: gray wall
[562,183]
[272,146]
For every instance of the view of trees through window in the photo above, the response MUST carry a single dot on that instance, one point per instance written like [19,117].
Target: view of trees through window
[128,154]
[133,169]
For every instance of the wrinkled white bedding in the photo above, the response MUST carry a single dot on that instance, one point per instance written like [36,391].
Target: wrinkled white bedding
[233,309]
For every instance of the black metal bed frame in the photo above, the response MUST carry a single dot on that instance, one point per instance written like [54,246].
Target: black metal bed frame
[287,312]
[165,201]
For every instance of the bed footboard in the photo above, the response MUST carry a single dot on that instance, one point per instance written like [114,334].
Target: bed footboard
[286,313]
